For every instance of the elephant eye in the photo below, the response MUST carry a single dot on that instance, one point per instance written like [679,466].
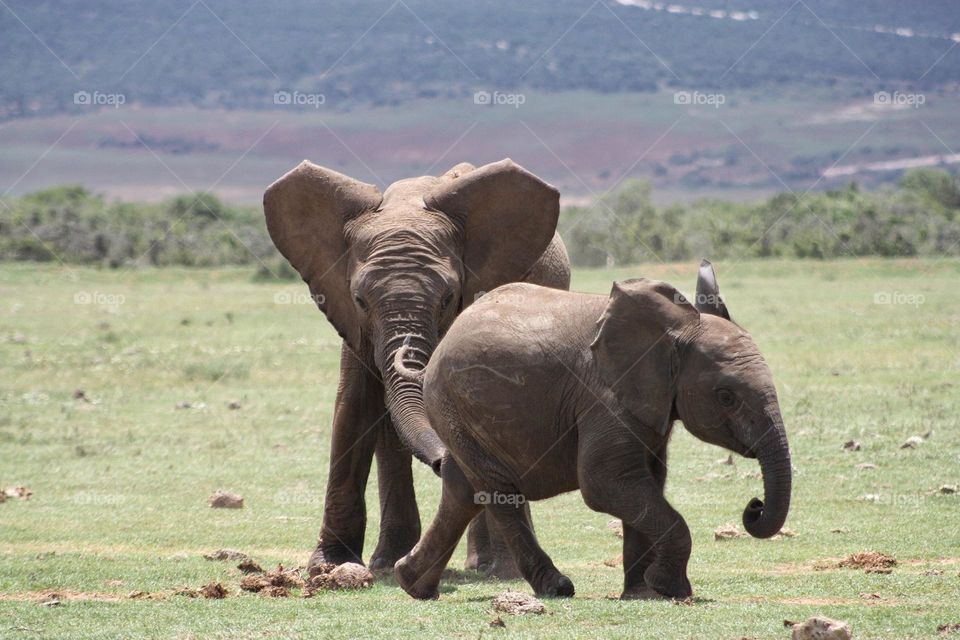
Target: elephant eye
[447,299]
[726,398]
[360,302]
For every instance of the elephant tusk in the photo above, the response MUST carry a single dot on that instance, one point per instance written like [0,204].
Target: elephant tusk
[408,374]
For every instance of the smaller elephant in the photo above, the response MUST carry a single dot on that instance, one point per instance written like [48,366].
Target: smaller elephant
[537,391]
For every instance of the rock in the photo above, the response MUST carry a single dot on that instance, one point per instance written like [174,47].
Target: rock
[226,554]
[183,405]
[912,442]
[821,629]
[851,445]
[518,604]
[727,532]
[80,394]
[349,575]
[225,500]
[19,492]
[213,591]
[948,489]
[234,405]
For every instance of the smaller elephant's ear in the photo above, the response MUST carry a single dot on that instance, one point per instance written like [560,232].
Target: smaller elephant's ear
[709,300]
[306,210]
[636,347]
[508,216]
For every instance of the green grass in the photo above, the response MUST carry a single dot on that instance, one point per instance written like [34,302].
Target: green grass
[120,483]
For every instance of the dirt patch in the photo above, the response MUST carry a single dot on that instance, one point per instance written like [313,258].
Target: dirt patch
[328,577]
[614,562]
[950,627]
[275,592]
[518,604]
[728,532]
[249,566]
[49,596]
[616,526]
[869,561]
[226,554]
[820,629]
[225,500]
[279,577]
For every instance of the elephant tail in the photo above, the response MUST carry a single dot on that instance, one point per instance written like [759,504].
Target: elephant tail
[408,374]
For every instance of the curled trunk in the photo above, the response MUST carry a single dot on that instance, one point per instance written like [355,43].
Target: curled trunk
[404,393]
[763,519]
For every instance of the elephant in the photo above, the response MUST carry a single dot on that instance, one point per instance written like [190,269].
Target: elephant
[538,392]
[394,268]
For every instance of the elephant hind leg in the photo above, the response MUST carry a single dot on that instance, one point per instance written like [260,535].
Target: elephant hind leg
[487,552]
[419,571]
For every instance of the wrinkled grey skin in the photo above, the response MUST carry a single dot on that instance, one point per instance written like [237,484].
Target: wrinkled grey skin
[394,267]
[538,392]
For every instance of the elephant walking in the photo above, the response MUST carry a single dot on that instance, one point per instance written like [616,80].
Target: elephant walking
[537,392]
[399,267]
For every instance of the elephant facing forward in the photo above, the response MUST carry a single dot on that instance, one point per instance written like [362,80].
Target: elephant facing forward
[399,267]
[537,392]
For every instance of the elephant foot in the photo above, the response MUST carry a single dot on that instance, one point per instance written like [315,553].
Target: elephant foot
[559,586]
[641,592]
[407,578]
[330,554]
[668,584]
[390,549]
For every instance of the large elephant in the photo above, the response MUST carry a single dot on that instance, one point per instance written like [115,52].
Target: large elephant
[537,392]
[399,267]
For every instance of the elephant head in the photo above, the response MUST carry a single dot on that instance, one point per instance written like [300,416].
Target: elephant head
[398,267]
[665,359]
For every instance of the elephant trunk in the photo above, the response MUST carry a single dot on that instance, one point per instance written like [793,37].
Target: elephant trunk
[404,393]
[763,519]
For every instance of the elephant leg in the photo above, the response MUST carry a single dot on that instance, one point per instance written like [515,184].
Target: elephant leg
[535,565]
[487,552]
[399,517]
[638,549]
[419,571]
[357,418]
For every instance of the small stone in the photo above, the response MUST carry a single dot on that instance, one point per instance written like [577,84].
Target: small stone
[821,629]
[225,500]
[912,442]
[948,489]
[19,492]
[851,445]
[234,405]
[183,405]
[727,532]
[80,394]
[518,604]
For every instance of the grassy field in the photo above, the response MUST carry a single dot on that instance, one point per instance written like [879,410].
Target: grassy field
[864,350]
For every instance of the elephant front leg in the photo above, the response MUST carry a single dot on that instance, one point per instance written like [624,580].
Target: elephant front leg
[399,517]
[357,418]
[638,549]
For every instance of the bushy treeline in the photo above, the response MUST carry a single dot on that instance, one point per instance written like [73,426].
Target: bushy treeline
[920,217]
[72,224]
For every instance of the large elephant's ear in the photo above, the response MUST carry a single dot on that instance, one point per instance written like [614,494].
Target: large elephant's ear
[306,210]
[709,299]
[509,217]
[636,347]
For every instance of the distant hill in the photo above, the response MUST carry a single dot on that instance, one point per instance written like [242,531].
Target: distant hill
[239,53]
